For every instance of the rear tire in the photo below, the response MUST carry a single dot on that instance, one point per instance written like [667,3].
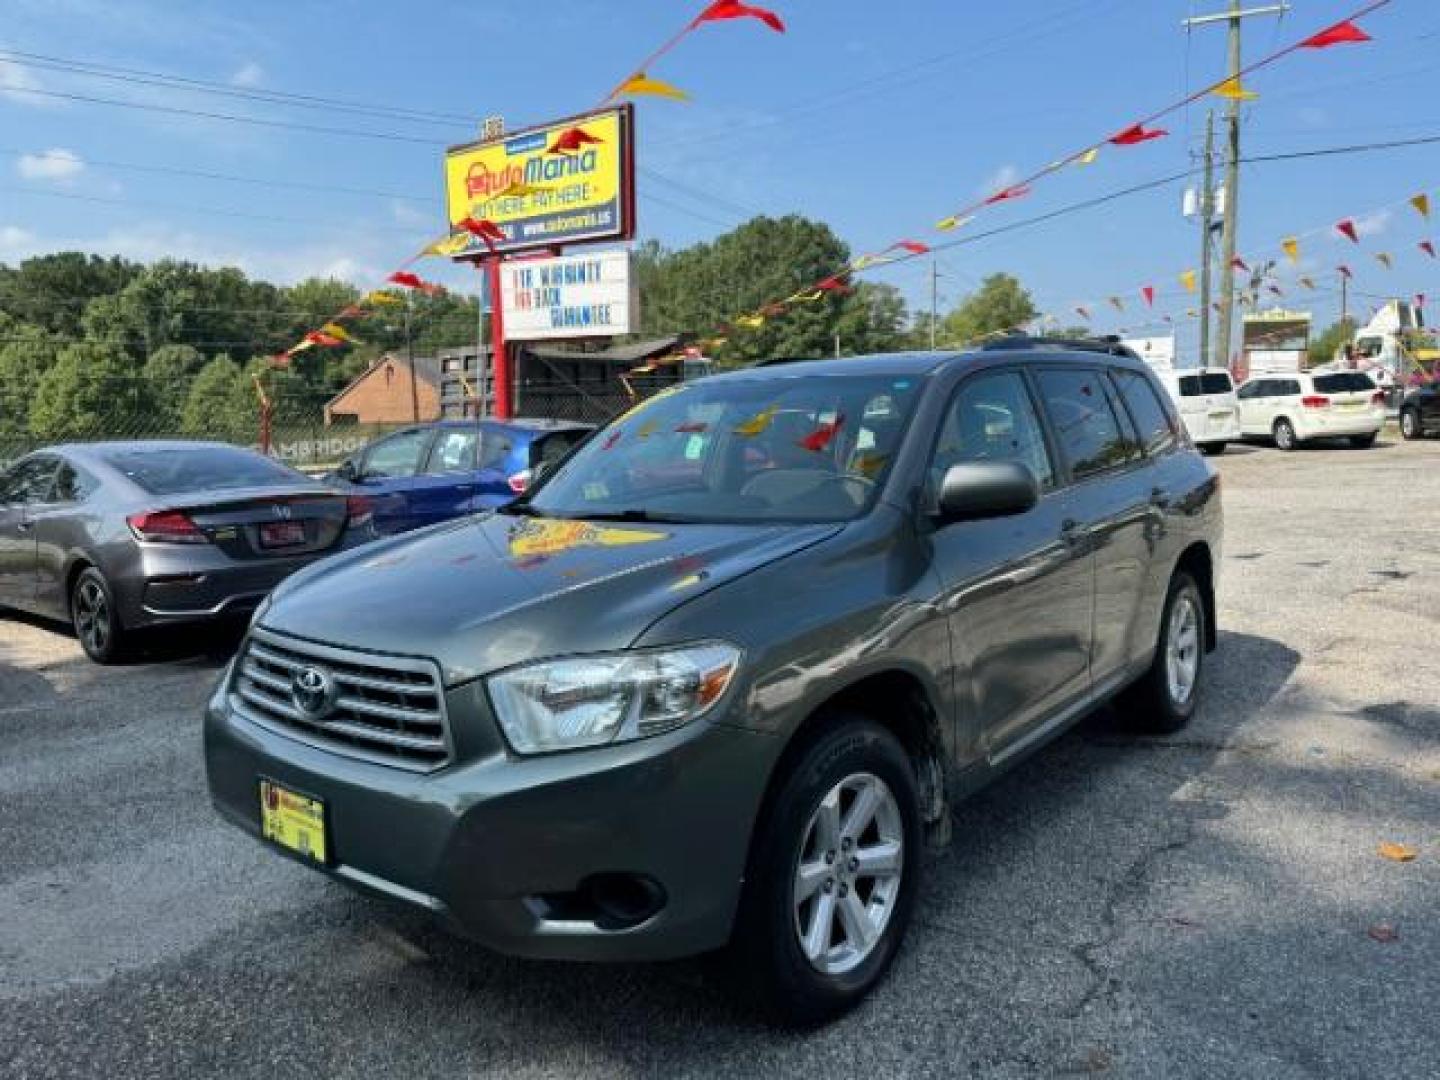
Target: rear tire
[96,622]
[1212,449]
[1362,442]
[1285,437]
[1410,424]
[804,959]
[1162,701]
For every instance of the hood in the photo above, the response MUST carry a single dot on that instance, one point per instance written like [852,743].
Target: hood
[482,593]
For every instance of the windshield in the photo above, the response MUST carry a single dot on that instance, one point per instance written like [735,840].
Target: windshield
[170,470]
[787,448]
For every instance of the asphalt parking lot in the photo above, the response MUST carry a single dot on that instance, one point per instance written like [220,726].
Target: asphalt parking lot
[1204,905]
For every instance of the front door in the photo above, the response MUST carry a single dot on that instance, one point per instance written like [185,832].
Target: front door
[387,475]
[445,488]
[22,488]
[1018,591]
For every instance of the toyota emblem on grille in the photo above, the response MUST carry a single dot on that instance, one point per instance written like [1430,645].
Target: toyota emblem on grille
[313,690]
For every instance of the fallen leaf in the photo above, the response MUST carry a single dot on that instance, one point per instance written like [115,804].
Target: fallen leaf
[1384,932]
[1397,852]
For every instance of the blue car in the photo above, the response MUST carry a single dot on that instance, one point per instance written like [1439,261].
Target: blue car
[433,472]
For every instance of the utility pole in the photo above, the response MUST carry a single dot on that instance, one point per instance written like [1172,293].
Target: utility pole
[1232,170]
[934,300]
[410,355]
[1207,237]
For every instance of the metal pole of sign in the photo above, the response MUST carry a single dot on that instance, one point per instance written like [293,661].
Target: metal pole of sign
[503,400]
[410,357]
[480,389]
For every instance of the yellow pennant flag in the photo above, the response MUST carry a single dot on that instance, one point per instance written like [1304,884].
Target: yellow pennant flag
[1232,90]
[949,223]
[866,261]
[1384,260]
[1291,246]
[336,331]
[1191,313]
[1421,203]
[446,245]
[1088,157]
[1188,280]
[640,83]
[750,322]
[379,296]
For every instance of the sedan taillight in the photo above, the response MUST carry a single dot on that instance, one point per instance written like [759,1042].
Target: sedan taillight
[359,511]
[1315,401]
[165,527]
[519,482]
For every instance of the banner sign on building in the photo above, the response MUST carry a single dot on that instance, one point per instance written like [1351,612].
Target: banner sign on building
[568,182]
[570,296]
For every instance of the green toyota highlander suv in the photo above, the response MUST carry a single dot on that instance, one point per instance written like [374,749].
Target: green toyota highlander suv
[719,677]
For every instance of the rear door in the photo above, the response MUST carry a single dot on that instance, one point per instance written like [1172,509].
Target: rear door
[1019,590]
[1210,405]
[445,487]
[23,488]
[62,524]
[387,475]
[501,456]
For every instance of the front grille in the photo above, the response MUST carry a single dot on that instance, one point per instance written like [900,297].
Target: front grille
[386,709]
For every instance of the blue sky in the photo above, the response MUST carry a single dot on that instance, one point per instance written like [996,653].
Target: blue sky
[877,118]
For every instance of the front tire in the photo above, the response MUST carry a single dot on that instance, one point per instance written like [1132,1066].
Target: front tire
[1285,437]
[1410,424]
[1164,699]
[97,623]
[834,870]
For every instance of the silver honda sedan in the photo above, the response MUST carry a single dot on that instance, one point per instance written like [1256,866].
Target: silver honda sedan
[122,536]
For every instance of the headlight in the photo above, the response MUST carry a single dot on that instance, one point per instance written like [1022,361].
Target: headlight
[594,700]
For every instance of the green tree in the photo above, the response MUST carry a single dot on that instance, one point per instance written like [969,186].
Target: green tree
[1000,304]
[51,291]
[26,354]
[1325,345]
[92,391]
[222,404]
[169,371]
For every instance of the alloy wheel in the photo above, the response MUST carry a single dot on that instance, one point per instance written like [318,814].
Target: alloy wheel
[1182,648]
[92,616]
[847,876]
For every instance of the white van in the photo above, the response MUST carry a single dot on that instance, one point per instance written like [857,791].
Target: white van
[1206,398]
[1295,407]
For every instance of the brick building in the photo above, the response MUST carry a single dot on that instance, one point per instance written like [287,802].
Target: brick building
[381,394]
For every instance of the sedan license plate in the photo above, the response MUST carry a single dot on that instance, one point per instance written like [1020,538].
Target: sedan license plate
[275,534]
[296,822]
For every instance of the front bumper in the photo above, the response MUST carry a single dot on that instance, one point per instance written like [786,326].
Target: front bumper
[493,844]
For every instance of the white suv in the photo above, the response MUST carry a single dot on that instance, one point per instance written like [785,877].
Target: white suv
[1206,400]
[1293,407]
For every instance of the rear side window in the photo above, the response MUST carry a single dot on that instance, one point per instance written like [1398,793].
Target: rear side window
[1089,432]
[169,470]
[72,485]
[495,447]
[1286,387]
[28,482]
[552,448]
[1152,419]
[993,419]
[1344,382]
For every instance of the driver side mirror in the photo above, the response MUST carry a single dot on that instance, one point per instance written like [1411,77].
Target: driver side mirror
[986,489]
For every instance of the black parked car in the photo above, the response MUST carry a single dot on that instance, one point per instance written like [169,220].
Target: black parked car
[1420,411]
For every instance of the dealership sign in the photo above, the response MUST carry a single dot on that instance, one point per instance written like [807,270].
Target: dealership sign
[572,296]
[567,182]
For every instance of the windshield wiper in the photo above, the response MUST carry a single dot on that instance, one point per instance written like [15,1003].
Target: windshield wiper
[519,508]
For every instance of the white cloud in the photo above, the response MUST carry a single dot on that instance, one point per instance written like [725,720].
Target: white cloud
[407,214]
[17,84]
[1002,178]
[57,164]
[14,239]
[249,74]
[1373,224]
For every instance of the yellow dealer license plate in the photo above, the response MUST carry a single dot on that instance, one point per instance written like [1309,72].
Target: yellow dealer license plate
[294,821]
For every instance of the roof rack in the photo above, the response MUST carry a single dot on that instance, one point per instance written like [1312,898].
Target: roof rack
[1110,344]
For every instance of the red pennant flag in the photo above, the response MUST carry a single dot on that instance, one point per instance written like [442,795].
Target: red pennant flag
[1083,312]
[319,337]
[833,284]
[1342,33]
[485,229]
[572,139]
[279,360]
[1347,228]
[1148,292]
[1239,264]
[354,311]
[1344,270]
[1014,191]
[1137,133]
[773,309]
[413,281]
[820,438]
[733,9]
[1427,247]
[912,246]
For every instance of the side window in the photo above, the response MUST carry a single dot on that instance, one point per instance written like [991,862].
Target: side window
[553,447]
[1152,419]
[1289,387]
[398,455]
[1248,391]
[495,447]
[993,419]
[72,485]
[1089,432]
[28,482]
[454,451]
